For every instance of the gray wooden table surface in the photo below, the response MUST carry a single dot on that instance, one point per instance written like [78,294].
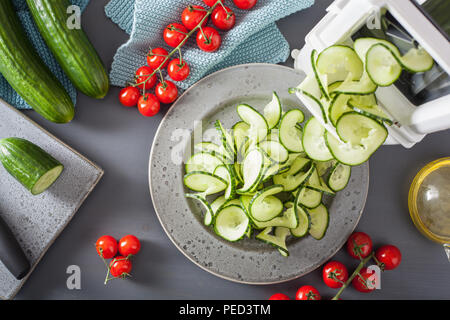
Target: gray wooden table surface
[119,140]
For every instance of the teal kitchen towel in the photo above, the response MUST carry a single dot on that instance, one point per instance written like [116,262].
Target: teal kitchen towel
[255,38]
[6,92]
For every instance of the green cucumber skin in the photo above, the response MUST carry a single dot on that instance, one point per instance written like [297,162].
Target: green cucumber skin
[71,47]
[26,72]
[25,161]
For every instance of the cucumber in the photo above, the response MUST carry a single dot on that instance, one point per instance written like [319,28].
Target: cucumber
[227,174]
[308,198]
[382,66]
[322,167]
[363,86]
[204,182]
[314,141]
[240,136]
[258,124]
[275,151]
[34,168]
[278,240]
[361,136]
[264,206]
[339,177]
[26,72]
[292,182]
[289,134]
[212,148]
[272,111]
[287,220]
[319,221]
[231,223]
[372,111]
[71,47]
[209,213]
[339,104]
[253,170]
[226,138]
[203,161]
[304,222]
[321,78]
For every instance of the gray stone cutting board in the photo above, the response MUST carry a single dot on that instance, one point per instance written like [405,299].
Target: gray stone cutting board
[37,221]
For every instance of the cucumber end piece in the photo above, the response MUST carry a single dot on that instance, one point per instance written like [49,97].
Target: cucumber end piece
[47,180]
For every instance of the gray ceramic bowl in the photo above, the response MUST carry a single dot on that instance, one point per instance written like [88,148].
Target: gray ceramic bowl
[249,260]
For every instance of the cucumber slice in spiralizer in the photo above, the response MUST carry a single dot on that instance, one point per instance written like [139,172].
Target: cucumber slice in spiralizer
[363,86]
[278,239]
[319,221]
[264,206]
[272,111]
[371,111]
[209,213]
[203,161]
[339,177]
[289,134]
[382,66]
[252,170]
[314,141]
[304,222]
[321,78]
[231,223]
[339,104]
[258,124]
[204,182]
[361,136]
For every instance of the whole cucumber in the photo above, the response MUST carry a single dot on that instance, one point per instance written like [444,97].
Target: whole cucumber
[26,72]
[34,168]
[71,47]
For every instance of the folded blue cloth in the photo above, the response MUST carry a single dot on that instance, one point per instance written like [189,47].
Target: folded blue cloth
[255,38]
[6,92]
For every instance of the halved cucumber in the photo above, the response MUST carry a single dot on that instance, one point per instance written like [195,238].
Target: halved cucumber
[319,221]
[231,223]
[382,66]
[275,151]
[314,141]
[338,62]
[264,206]
[272,111]
[339,176]
[289,134]
[339,104]
[226,172]
[292,182]
[258,124]
[278,240]
[252,170]
[204,182]
[362,136]
[209,213]
[203,161]
[226,138]
[372,111]
[304,222]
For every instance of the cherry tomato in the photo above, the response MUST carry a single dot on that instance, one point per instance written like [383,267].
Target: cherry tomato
[106,247]
[279,296]
[359,245]
[389,256]
[156,57]
[129,96]
[120,267]
[129,245]
[245,4]
[307,293]
[178,69]
[364,282]
[334,274]
[166,91]
[174,34]
[148,105]
[143,79]
[209,40]
[210,2]
[223,18]
[192,16]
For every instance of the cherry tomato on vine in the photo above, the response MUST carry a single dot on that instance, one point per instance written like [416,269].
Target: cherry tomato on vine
[106,247]
[334,274]
[148,105]
[174,34]
[120,267]
[142,74]
[307,293]
[245,4]
[279,296]
[223,18]
[178,69]
[192,16]
[129,245]
[390,257]
[359,245]
[364,281]
[156,57]
[208,39]
[129,96]
[210,2]
[166,92]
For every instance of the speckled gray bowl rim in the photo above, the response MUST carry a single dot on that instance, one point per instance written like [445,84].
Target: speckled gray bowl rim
[226,271]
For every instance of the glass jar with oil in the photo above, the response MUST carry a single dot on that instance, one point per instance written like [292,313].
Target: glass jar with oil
[429,202]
